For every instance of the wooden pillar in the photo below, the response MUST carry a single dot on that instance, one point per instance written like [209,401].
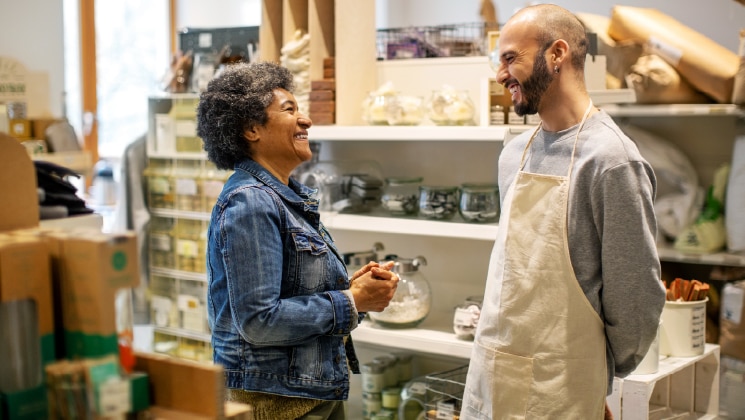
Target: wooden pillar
[321,30]
[356,70]
[270,31]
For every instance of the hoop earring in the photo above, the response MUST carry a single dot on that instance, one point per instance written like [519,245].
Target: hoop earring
[556,69]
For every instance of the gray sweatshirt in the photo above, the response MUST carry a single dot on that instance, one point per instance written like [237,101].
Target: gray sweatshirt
[611,229]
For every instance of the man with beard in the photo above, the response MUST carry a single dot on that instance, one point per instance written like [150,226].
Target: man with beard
[573,294]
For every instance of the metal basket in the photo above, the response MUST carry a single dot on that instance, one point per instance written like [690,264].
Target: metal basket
[457,40]
[445,393]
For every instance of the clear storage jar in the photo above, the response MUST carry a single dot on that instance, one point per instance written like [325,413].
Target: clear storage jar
[412,300]
[375,106]
[405,110]
[479,203]
[438,202]
[451,107]
[401,195]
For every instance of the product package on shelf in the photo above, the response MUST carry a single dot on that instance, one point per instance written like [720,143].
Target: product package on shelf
[708,66]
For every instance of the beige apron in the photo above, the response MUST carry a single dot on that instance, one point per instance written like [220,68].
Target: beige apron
[539,350]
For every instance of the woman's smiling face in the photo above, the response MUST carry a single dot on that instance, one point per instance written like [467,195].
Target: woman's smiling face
[282,143]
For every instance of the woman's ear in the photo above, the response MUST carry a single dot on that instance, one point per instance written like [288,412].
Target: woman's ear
[251,134]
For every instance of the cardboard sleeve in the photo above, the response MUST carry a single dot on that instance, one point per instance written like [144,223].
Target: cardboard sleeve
[706,65]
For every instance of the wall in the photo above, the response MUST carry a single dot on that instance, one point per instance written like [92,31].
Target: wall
[31,32]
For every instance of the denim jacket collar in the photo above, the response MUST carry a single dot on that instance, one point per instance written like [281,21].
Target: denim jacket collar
[295,193]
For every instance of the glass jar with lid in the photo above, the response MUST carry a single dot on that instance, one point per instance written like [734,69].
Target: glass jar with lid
[466,317]
[412,300]
[401,195]
[438,202]
[479,203]
[450,106]
[356,260]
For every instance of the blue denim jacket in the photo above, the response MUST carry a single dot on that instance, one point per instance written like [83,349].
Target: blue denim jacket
[278,315]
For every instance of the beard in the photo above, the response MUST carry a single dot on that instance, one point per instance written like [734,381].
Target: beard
[534,87]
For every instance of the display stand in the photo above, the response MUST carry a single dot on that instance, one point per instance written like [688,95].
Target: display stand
[682,387]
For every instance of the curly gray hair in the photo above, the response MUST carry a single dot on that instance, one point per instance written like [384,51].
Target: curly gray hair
[236,100]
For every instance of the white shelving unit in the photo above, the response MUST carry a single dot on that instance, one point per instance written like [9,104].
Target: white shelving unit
[453,241]
[682,385]
[457,252]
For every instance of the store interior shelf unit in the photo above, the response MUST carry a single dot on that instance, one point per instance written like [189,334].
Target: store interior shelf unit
[683,387]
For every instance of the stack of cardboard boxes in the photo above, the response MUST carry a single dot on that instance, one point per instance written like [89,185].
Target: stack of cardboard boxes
[65,351]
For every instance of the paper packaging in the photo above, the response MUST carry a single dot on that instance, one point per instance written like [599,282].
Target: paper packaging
[93,267]
[732,320]
[187,390]
[24,268]
[708,66]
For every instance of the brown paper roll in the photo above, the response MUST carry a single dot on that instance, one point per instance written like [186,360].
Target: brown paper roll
[706,65]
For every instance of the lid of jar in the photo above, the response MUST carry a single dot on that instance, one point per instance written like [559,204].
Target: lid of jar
[360,258]
[476,186]
[405,265]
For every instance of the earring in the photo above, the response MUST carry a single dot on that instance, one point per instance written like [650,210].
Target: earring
[556,69]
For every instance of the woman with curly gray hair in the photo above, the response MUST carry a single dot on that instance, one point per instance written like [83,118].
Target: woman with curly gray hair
[280,302]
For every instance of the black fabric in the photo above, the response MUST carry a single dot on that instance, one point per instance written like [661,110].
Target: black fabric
[57,190]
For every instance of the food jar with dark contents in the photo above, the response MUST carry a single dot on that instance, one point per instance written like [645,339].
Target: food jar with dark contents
[479,203]
[401,195]
[438,202]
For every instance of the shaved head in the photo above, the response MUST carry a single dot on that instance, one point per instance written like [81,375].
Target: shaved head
[553,22]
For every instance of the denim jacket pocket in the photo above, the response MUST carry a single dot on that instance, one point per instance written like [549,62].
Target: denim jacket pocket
[310,262]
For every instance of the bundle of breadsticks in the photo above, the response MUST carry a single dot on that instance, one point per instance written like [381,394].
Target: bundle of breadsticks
[681,290]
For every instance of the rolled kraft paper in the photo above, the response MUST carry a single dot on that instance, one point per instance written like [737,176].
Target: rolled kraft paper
[706,65]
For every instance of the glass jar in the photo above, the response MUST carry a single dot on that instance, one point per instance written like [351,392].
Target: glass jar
[479,203]
[372,377]
[466,317]
[374,108]
[400,195]
[451,107]
[405,110]
[356,260]
[412,300]
[438,202]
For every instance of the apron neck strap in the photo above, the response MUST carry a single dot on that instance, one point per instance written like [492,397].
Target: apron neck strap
[574,147]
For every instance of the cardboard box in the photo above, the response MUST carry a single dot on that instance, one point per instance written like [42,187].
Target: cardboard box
[20,209]
[29,404]
[92,269]
[183,390]
[98,382]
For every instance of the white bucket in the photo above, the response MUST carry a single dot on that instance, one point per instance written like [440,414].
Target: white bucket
[683,331]
[651,361]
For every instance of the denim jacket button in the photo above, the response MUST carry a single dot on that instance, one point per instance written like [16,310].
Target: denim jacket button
[341,280]
[338,391]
